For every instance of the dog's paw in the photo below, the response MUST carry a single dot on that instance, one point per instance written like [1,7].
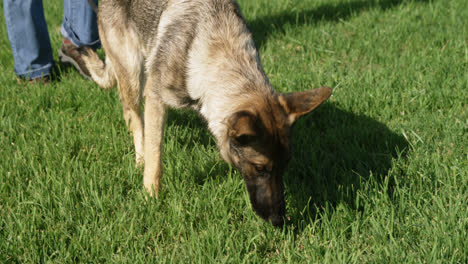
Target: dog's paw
[152,190]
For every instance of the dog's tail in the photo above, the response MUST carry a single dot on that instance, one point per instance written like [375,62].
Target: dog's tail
[93,5]
[102,73]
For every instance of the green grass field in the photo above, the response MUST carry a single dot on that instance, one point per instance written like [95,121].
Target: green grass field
[379,173]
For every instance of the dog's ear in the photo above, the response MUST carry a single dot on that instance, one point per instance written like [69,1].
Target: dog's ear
[300,103]
[242,127]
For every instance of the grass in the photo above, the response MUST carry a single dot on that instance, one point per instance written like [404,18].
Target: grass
[379,173]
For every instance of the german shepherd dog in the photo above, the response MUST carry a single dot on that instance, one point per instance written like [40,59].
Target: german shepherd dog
[200,54]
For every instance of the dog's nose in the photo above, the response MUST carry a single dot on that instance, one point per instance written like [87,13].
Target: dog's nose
[277,220]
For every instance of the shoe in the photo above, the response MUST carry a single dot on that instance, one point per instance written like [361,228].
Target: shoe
[69,53]
[43,80]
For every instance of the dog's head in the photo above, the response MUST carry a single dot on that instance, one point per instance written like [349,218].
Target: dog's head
[258,145]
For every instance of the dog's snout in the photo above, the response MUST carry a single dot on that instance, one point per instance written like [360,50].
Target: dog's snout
[268,203]
[277,219]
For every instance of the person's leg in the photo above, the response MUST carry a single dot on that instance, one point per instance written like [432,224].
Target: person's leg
[80,23]
[29,38]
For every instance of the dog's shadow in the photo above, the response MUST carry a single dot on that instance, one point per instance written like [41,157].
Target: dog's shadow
[263,27]
[335,152]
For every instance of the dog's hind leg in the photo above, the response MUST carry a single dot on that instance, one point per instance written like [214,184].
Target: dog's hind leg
[129,79]
[155,116]
[125,64]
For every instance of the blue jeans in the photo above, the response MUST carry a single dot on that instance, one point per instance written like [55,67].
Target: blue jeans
[29,38]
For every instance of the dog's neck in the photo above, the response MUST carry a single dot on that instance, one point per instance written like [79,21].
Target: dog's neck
[225,74]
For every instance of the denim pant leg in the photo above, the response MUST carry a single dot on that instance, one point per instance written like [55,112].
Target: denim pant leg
[80,23]
[29,38]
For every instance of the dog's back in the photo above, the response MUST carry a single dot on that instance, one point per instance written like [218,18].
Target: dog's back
[178,37]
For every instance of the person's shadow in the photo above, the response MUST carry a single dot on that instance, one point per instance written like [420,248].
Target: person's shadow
[262,27]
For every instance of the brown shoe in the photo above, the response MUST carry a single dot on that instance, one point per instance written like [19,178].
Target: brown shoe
[69,53]
[43,80]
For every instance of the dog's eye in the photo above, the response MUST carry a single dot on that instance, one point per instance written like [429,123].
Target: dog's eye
[264,169]
[259,168]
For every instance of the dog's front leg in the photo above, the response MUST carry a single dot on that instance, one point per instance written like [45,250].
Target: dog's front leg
[155,115]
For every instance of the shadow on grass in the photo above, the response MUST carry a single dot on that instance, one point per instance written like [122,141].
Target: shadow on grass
[189,119]
[333,12]
[335,151]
